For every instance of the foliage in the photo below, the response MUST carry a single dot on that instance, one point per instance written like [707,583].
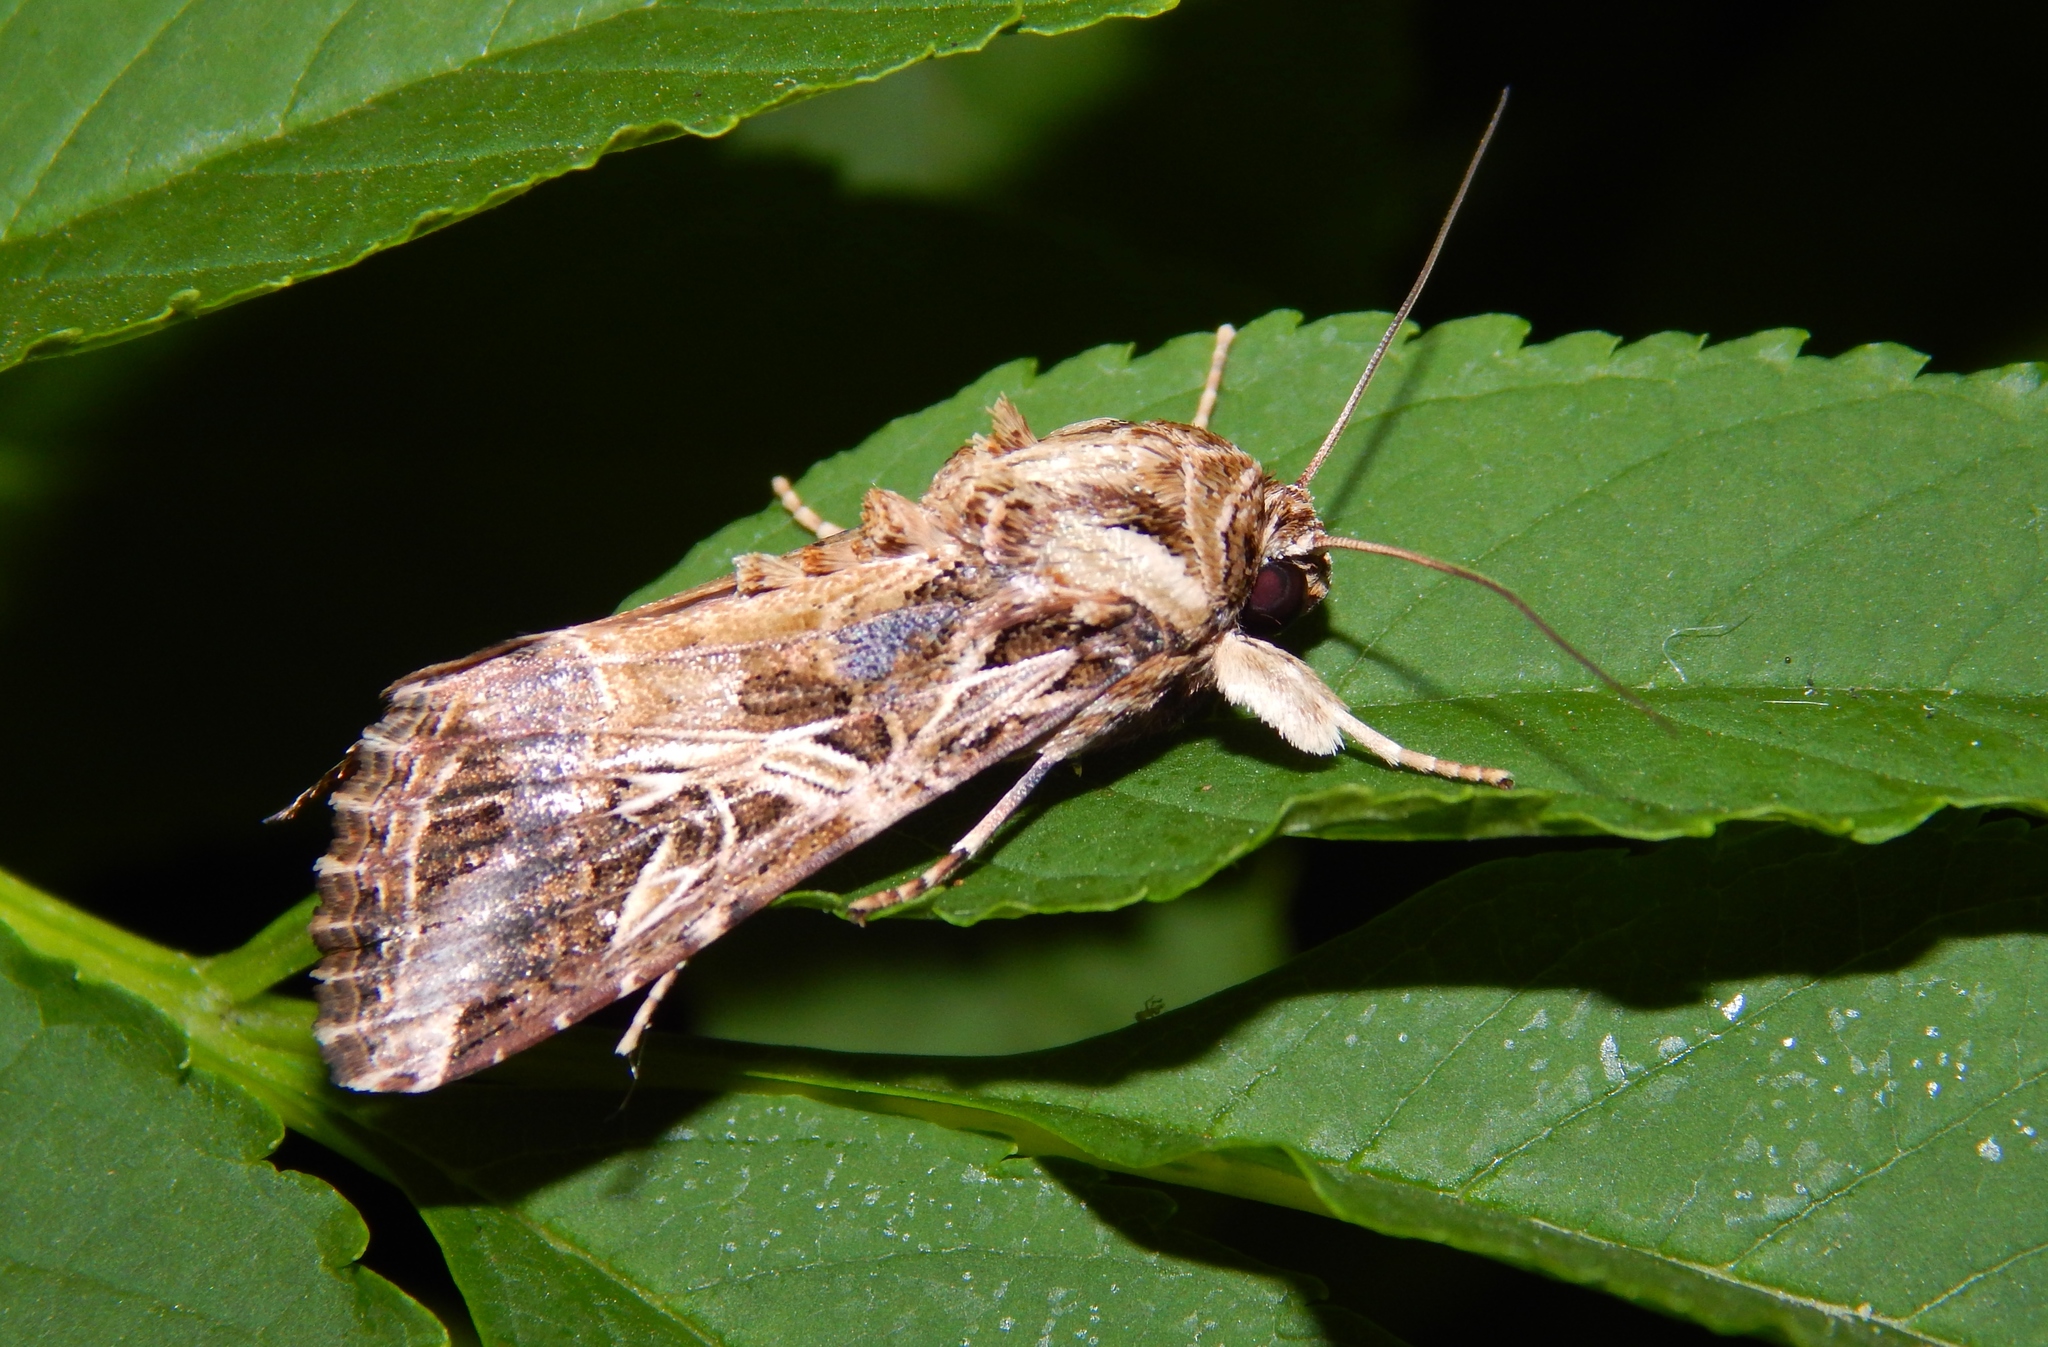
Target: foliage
[950,128]
[164,159]
[656,1216]
[139,1205]
[1774,1082]
[1770,1062]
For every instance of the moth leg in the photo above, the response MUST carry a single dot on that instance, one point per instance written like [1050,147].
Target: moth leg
[1218,357]
[962,851]
[1396,756]
[644,1016]
[1285,693]
[800,512]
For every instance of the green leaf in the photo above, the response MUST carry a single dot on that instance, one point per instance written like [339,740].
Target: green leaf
[138,1204]
[668,1216]
[1826,574]
[672,1217]
[165,158]
[1775,1082]
[925,987]
[261,1042]
[951,128]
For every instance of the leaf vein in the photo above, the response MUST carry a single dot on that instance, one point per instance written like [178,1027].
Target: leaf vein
[1975,1277]
[1440,1063]
[35,183]
[1904,1154]
[1599,489]
[1948,670]
[312,58]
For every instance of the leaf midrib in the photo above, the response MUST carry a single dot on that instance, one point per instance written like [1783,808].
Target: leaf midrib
[1463,1189]
[906,1102]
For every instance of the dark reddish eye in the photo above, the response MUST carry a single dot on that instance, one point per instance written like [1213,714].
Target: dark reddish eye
[1276,600]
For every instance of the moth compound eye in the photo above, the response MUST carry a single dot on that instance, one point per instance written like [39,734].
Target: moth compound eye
[1277,598]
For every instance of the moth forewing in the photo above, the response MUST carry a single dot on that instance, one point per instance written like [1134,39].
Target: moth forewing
[531,833]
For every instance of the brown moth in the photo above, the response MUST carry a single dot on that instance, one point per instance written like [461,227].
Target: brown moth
[544,827]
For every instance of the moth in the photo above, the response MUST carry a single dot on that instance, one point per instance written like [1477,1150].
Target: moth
[537,830]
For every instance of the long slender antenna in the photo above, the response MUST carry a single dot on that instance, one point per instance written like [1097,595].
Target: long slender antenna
[1415,292]
[1464,573]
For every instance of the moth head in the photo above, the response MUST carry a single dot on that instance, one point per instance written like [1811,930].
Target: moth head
[1293,574]
[1294,565]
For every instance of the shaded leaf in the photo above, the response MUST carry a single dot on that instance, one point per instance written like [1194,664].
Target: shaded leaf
[951,128]
[162,159]
[926,987]
[1827,574]
[138,1204]
[1774,1083]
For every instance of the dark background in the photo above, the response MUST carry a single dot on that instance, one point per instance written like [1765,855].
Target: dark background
[222,541]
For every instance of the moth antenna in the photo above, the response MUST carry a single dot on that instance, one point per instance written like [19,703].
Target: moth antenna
[1379,352]
[1464,573]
